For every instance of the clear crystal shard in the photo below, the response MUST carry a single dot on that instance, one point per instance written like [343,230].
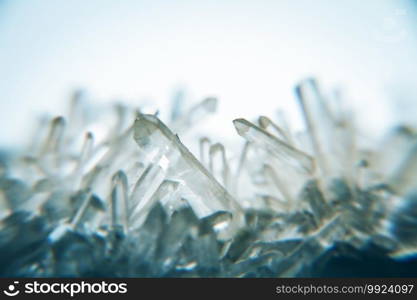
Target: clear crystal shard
[266,123]
[204,151]
[171,159]
[324,127]
[167,193]
[218,164]
[183,223]
[276,147]
[317,119]
[114,192]
[119,201]
[141,196]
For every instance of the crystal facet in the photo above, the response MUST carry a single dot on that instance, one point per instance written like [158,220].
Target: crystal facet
[116,193]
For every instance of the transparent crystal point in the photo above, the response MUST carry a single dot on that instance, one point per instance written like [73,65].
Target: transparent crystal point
[165,151]
[85,153]
[77,111]
[133,201]
[141,197]
[266,122]
[166,193]
[218,164]
[276,147]
[55,136]
[82,203]
[119,201]
[240,168]
[204,151]
[331,134]
[183,223]
[315,115]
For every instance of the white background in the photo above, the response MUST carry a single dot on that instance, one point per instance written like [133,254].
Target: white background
[248,53]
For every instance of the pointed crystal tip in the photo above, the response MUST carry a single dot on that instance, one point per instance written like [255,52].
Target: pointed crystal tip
[241,125]
[264,121]
[58,121]
[145,125]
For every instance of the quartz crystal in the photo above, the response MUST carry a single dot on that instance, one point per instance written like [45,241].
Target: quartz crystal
[116,192]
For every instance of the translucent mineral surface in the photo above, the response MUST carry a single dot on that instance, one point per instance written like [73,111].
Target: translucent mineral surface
[114,192]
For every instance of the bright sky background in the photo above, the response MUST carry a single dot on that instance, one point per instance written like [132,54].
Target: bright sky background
[248,53]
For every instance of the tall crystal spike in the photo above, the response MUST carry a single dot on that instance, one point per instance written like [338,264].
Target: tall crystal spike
[119,201]
[276,147]
[266,122]
[218,164]
[164,151]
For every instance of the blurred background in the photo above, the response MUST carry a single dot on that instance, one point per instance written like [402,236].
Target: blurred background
[249,54]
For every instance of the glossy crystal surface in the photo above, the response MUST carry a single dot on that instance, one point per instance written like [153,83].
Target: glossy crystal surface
[120,194]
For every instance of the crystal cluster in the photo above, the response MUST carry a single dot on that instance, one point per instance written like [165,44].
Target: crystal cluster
[116,193]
